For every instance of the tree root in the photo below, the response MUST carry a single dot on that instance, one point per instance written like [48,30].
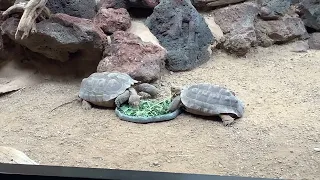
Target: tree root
[31,11]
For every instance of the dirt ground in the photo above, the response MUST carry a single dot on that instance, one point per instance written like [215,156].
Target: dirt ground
[277,137]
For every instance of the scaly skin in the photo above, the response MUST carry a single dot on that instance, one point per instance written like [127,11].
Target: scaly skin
[122,98]
[147,88]
[175,99]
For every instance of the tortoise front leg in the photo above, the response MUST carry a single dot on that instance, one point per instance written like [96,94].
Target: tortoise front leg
[175,104]
[122,98]
[86,105]
[226,119]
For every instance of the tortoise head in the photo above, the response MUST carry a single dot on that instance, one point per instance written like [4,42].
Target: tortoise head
[175,91]
[134,100]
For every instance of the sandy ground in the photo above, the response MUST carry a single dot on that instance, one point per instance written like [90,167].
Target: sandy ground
[276,138]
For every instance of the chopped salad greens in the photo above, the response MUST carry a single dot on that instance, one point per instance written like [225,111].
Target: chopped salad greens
[147,108]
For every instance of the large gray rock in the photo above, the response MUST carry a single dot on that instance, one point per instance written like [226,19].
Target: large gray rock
[314,41]
[310,10]
[183,32]
[293,2]
[62,37]
[207,4]
[273,9]
[77,8]
[237,23]
[279,31]
[5,4]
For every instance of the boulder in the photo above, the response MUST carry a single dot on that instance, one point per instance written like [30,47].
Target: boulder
[293,2]
[279,31]
[237,23]
[127,53]
[310,13]
[78,8]
[111,20]
[127,4]
[314,41]
[62,37]
[273,9]
[207,4]
[183,32]
[7,47]
[111,4]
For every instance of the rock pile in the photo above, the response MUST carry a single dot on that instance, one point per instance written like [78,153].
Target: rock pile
[176,34]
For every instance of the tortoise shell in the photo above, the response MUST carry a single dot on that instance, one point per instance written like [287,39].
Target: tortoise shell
[208,99]
[102,88]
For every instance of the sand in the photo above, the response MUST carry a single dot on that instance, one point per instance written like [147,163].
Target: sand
[277,137]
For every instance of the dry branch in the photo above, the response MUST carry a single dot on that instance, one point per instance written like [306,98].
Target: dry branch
[31,11]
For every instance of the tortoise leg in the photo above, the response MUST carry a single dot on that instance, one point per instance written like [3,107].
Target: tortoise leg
[134,99]
[175,104]
[226,119]
[122,98]
[86,105]
[147,88]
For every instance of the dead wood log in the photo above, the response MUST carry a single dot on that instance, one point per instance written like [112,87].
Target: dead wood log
[32,9]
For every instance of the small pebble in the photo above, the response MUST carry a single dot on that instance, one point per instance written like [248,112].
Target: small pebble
[317,149]
[156,163]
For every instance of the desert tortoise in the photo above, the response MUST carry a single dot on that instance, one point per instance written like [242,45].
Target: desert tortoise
[207,100]
[110,89]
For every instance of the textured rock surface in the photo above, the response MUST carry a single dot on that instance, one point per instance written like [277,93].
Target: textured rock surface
[6,46]
[127,3]
[2,55]
[213,3]
[314,41]
[62,38]
[237,23]
[310,10]
[183,32]
[77,8]
[111,4]
[128,54]
[5,4]
[273,9]
[296,1]
[205,4]
[279,31]
[111,20]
